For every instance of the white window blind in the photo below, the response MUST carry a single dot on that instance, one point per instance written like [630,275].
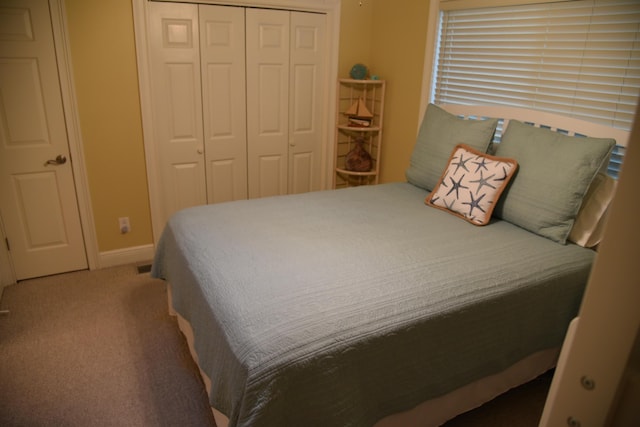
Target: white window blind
[577,58]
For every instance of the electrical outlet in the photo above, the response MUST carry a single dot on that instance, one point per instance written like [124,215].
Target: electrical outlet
[124,224]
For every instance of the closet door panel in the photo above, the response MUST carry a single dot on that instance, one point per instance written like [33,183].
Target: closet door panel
[181,83]
[306,118]
[271,120]
[267,53]
[177,106]
[269,167]
[301,177]
[222,40]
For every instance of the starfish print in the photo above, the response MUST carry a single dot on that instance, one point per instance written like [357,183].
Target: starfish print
[444,179]
[474,203]
[504,174]
[456,186]
[482,164]
[482,181]
[449,206]
[461,164]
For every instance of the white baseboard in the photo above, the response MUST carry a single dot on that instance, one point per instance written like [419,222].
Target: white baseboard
[124,256]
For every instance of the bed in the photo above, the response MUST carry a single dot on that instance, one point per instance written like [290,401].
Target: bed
[392,305]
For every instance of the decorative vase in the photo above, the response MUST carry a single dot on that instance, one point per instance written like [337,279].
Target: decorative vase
[358,159]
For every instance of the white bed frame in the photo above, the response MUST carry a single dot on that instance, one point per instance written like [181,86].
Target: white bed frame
[437,411]
[554,122]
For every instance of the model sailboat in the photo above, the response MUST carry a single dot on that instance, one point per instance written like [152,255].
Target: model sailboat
[359,115]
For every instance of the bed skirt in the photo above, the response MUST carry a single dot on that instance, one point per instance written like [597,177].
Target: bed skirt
[432,412]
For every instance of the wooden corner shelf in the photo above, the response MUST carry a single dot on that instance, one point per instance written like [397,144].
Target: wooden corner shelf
[370,95]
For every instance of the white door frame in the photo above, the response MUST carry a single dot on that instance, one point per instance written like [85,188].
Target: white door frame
[329,7]
[72,123]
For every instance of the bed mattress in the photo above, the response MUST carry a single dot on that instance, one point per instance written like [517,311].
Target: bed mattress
[341,307]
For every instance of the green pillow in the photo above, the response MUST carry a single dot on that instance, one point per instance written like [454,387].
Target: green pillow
[439,134]
[555,171]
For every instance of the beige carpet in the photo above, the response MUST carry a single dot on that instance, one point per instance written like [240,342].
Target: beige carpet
[95,349]
[99,349]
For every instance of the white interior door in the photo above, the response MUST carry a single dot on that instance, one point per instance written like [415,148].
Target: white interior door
[177,104]
[305,101]
[38,202]
[267,53]
[222,62]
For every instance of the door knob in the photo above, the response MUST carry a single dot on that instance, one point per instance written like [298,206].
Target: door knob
[59,160]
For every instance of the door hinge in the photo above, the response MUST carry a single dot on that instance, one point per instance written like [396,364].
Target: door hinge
[6,240]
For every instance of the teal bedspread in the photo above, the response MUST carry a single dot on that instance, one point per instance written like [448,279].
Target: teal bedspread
[340,307]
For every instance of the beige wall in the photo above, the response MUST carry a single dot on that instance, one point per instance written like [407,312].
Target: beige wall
[106,82]
[387,36]
[355,35]
[399,36]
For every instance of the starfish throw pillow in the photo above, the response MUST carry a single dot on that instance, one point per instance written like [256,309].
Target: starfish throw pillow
[471,184]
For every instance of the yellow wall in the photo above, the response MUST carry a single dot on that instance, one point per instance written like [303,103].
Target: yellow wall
[355,35]
[387,36]
[398,41]
[104,66]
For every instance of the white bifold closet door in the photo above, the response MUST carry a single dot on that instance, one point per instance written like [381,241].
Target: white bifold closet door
[222,61]
[237,102]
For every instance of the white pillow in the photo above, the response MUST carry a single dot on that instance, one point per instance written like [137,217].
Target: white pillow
[589,225]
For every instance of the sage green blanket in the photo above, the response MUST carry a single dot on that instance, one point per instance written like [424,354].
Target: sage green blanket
[340,307]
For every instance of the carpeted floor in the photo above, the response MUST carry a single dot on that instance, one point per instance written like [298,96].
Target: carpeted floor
[99,349]
[96,349]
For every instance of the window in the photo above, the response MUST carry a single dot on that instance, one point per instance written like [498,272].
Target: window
[578,58]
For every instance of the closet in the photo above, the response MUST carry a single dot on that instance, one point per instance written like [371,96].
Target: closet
[237,102]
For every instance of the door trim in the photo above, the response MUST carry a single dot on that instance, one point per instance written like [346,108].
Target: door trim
[329,7]
[72,121]
[74,136]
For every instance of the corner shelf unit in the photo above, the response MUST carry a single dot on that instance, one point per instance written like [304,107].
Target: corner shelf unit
[372,94]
